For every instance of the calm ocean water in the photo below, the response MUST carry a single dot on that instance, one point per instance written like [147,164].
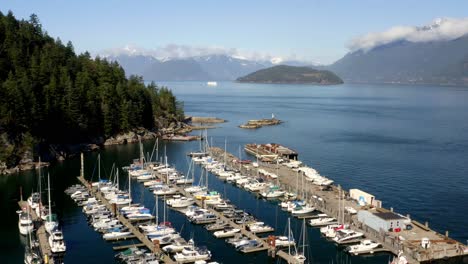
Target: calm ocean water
[407,145]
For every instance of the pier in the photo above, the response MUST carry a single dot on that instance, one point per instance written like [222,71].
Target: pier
[41,234]
[327,200]
[263,242]
[127,223]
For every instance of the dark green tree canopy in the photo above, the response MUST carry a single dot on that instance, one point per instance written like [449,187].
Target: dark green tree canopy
[49,92]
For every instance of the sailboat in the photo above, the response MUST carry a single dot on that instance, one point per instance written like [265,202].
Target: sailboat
[30,257]
[25,223]
[286,241]
[51,219]
[298,255]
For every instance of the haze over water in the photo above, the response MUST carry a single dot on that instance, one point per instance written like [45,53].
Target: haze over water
[407,145]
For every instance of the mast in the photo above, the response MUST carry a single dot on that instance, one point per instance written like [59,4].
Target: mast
[240,159]
[297,182]
[40,188]
[157,210]
[50,203]
[82,165]
[141,152]
[99,171]
[157,149]
[289,236]
[304,230]
[129,188]
[225,145]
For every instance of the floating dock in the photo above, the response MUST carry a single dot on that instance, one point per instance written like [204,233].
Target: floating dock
[41,234]
[263,244]
[127,223]
[327,201]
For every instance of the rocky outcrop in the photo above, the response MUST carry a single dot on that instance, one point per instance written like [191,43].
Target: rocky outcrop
[130,137]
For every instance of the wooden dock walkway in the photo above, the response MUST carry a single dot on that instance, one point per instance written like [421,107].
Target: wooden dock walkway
[41,233]
[220,216]
[140,236]
[123,247]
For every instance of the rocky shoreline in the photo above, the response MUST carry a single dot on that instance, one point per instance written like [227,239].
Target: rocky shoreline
[60,152]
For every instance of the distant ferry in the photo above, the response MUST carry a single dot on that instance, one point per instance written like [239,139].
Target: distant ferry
[212,83]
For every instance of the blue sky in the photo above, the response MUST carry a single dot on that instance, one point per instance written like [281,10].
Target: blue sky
[308,30]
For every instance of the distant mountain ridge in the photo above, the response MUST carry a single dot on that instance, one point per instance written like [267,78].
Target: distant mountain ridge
[291,75]
[443,62]
[217,67]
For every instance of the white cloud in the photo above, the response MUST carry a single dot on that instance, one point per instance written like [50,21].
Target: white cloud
[175,51]
[439,29]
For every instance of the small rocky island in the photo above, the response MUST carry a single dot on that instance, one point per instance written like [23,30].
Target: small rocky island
[254,123]
[283,74]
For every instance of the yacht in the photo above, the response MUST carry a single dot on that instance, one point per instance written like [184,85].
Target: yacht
[366,246]
[184,181]
[116,233]
[34,200]
[204,218]
[25,223]
[322,220]
[146,177]
[330,230]
[160,231]
[273,192]
[192,254]
[226,232]
[180,201]
[284,241]
[164,190]
[301,210]
[247,244]
[195,189]
[56,243]
[176,246]
[31,257]
[51,223]
[259,227]
[346,235]
[255,187]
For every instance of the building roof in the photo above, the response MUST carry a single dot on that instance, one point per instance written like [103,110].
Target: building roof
[389,216]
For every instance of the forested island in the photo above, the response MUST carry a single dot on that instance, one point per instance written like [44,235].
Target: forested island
[291,74]
[51,97]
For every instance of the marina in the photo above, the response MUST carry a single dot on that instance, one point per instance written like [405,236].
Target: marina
[412,240]
[134,230]
[323,251]
[262,244]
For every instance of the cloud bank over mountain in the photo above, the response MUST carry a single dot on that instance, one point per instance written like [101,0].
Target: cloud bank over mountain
[176,51]
[441,29]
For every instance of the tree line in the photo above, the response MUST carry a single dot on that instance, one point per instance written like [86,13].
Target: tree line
[50,94]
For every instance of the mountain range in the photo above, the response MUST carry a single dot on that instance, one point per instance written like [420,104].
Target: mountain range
[434,62]
[217,67]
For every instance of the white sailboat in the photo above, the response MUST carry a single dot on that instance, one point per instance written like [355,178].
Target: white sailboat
[299,256]
[286,241]
[51,220]
[25,223]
